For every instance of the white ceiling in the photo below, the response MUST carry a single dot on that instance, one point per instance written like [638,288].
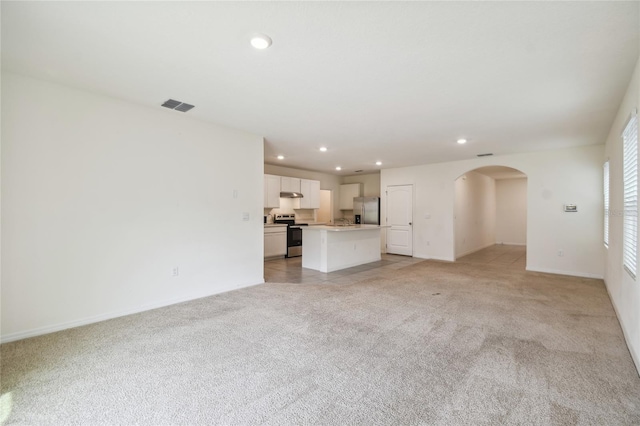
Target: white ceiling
[397,82]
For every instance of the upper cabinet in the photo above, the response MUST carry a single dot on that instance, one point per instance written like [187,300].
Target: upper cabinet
[310,190]
[273,185]
[347,193]
[289,184]
[271,191]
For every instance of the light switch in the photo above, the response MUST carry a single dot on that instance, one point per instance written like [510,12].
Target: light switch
[245,216]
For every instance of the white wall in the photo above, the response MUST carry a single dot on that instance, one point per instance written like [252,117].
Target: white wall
[511,211]
[474,213]
[326,206]
[101,198]
[370,183]
[623,289]
[370,188]
[555,178]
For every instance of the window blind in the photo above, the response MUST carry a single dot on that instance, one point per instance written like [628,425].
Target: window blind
[630,181]
[606,202]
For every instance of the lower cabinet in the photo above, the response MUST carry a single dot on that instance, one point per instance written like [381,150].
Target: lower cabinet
[275,241]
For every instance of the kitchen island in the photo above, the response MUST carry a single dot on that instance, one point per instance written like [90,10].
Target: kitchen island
[331,248]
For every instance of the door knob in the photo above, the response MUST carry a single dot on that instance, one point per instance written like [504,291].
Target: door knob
[410,223]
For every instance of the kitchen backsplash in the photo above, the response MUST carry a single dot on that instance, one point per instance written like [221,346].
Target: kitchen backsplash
[302,215]
[305,215]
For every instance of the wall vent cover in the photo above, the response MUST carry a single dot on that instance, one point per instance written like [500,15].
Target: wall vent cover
[489,154]
[177,105]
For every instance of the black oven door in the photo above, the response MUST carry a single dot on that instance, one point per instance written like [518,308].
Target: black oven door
[295,236]
[294,241]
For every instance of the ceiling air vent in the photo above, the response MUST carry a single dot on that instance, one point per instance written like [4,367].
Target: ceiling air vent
[488,154]
[177,105]
[183,107]
[359,171]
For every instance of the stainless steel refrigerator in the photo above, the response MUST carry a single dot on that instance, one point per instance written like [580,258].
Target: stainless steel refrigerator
[366,210]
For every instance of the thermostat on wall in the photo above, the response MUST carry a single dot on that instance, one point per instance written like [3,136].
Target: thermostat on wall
[570,208]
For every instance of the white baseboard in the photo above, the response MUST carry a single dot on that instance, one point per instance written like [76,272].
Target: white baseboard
[560,272]
[475,250]
[503,243]
[625,332]
[12,337]
[443,259]
[427,257]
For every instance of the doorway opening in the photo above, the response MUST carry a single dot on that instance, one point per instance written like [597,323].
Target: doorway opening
[490,217]
[325,212]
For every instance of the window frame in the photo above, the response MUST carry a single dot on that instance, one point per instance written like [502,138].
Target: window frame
[606,195]
[630,195]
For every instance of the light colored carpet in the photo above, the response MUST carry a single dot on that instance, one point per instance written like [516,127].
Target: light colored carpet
[423,343]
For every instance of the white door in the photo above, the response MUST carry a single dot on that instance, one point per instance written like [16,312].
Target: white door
[400,220]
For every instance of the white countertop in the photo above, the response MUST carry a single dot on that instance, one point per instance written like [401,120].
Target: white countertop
[340,228]
[274,225]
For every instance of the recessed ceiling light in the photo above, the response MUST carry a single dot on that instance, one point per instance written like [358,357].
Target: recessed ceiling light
[260,41]
[338,168]
[323,149]
[378,163]
[280,157]
[462,141]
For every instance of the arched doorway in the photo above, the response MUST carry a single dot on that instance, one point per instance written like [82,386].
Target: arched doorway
[490,217]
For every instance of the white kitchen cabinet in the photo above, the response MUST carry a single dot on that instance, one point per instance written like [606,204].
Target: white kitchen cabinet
[347,192]
[271,191]
[289,184]
[310,190]
[275,241]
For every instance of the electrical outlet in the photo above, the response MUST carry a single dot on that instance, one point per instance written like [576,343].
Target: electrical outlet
[560,253]
[175,271]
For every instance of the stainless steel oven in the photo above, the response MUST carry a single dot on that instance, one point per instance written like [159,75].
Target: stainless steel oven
[294,233]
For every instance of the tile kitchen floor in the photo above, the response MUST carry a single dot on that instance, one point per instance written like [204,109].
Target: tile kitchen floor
[291,270]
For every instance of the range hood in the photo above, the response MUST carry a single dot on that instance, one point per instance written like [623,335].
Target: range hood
[291,195]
